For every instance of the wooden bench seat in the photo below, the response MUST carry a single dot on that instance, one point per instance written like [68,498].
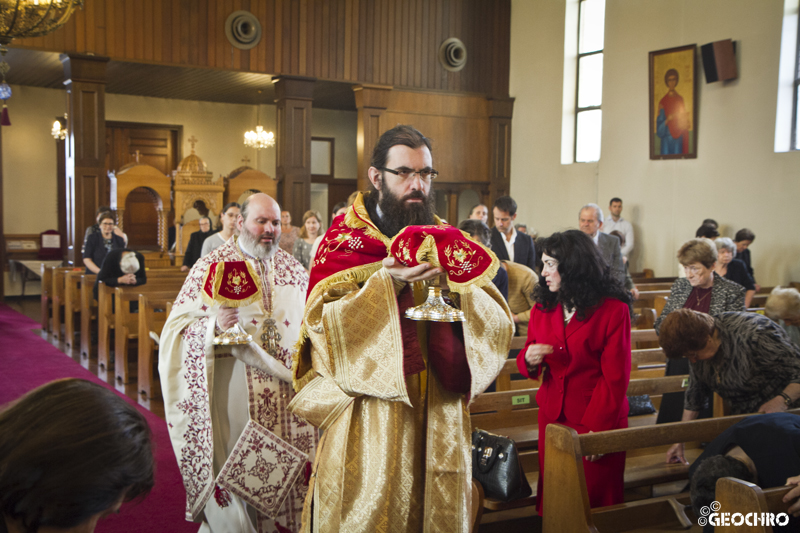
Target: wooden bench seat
[57,298]
[149,321]
[737,496]
[106,319]
[567,504]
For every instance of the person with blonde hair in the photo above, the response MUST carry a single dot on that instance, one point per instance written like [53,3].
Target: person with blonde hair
[783,306]
[309,231]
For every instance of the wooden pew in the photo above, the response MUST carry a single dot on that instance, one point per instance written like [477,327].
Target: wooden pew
[57,298]
[566,507]
[149,321]
[737,496]
[126,323]
[88,307]
[72,305]
[47,300]
[105,313]
[514,414]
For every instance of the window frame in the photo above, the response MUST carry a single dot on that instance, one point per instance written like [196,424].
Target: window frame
[578,109]
[793,143]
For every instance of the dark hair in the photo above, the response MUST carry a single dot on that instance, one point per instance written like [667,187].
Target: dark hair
[708,231]
[507,204]
[337,207]
[619,236]
[710,222]
[69,450]
[399,135]
[206,217]
[672,72]
[586,278]
[684,331]
[231,204]
[704,479]
[615,199]
[477,228]
[104,215]
[744,234]
[472,209]
[101,209]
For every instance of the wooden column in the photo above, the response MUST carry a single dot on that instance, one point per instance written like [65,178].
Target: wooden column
[500,111]
[61,188]
[371,102]
[85,81]
[293,97]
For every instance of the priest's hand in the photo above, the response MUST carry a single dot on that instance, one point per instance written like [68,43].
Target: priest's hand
[421,272]
[227,317]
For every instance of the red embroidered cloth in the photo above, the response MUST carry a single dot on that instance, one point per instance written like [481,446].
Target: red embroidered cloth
[232,283]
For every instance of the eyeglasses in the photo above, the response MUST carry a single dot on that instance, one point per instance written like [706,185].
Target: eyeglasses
[426,174]
[107,224]
[693,269]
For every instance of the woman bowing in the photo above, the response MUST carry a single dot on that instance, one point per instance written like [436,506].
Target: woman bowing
[579,345]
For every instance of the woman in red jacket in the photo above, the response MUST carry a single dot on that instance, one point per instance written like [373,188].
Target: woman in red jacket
[579,344]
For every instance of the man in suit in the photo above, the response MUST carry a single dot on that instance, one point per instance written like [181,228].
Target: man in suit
[195,246]
[590,220]
[507,243]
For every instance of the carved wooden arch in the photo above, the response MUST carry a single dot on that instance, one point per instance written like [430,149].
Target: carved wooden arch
[190,197]
[157,185]
[244,179]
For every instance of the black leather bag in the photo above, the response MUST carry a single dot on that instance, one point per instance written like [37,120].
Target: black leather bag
[495,463]
[640,405]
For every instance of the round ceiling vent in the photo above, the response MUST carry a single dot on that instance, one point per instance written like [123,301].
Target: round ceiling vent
[243,30]
[453,54]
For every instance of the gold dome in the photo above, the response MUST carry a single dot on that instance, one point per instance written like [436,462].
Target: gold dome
[192,163]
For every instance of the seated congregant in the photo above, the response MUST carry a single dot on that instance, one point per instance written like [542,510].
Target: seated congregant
[783,306]
[122,267]
[745,358]
[71,452]
[743,239]
[100,243]
[733,269]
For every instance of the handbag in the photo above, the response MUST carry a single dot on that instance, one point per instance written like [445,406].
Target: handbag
[640,405]
[495,463]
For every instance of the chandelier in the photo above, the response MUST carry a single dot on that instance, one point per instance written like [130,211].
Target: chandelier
[259,139]
[28,18]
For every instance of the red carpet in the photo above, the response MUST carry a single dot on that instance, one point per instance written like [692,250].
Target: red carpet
[27,361]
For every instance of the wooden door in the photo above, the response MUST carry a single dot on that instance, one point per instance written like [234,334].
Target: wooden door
[141,219]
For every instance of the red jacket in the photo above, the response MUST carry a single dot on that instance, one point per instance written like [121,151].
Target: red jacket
[590,367]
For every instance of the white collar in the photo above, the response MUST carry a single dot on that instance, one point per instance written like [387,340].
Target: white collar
[596,237]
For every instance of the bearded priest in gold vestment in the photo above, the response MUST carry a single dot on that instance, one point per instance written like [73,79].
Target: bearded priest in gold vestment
[391,394]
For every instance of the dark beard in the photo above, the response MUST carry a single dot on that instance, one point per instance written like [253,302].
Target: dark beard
[397,214]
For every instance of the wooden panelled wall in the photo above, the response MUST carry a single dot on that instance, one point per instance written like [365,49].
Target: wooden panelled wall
[388,42]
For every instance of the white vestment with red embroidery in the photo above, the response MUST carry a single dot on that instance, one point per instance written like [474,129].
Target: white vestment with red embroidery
[209,395]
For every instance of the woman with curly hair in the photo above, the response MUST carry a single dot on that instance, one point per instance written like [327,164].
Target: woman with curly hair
[580,333]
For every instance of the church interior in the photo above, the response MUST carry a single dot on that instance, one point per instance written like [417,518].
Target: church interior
[154,97]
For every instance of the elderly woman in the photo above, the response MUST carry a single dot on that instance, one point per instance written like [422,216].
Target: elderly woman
[701,290]
[746,358]
[783,306]
[580,332]
[733,269]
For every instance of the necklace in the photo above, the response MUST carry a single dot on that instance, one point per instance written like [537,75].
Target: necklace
[699,300]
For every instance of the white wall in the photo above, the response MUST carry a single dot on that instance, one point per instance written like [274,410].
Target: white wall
[737,178]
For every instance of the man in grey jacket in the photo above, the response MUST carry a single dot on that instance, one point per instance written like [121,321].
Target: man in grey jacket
[590,220]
